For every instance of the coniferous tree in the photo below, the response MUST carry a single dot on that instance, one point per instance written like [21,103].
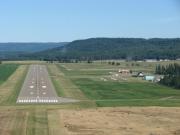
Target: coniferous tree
[171,74]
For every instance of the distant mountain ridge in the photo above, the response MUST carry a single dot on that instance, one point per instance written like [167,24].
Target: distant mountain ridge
[115,48]
[15,51]
[28,47]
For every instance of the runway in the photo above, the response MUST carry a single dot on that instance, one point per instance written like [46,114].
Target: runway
[38,88]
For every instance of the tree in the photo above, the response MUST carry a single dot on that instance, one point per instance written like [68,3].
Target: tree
[109,62]
[113,63]
[89,61]
[171,75]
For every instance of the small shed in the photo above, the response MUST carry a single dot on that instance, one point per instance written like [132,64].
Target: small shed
[140,74]
[124,71]
[137,74]
[158,78]
[149,78]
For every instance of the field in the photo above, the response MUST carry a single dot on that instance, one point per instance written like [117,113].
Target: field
[121,92]
[122,106]
[6,70]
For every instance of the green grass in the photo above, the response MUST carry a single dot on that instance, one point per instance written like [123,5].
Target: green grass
[37,122]
[63,85]
[10,89]
[124,90]
[144,102]
[53,71]
[11,99]
[81,82]
[117,93]
[6,70]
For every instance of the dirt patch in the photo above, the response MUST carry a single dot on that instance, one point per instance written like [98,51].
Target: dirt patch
[122,121]
[12,122]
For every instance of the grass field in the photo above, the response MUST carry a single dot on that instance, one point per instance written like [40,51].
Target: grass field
[124,90]
[133,92]
[82,81]
[10,89]
[6,70]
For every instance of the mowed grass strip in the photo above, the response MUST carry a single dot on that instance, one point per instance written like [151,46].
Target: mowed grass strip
[63,85]
[124,90]
[128,93]
[66,88]
[55,123]
[37,123]
[7,70]
[135,102]
[10,89]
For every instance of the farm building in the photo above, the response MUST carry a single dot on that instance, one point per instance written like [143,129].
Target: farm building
[124,71]
[140,74]
[149,78]
[158,78]
[137,74]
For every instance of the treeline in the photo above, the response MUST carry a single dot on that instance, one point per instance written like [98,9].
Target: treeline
[66,61]
[114,48]
[171,75]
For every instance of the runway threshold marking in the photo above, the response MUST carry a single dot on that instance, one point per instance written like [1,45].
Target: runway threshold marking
[37,101]
[37,87]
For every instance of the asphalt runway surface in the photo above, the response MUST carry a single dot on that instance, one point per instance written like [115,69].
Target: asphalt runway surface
[38,88]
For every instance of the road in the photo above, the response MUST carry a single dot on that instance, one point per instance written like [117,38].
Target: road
[38,88]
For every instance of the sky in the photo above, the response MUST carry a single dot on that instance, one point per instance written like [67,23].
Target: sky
[68,20]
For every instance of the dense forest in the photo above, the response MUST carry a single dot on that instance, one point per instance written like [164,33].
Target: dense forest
[103,48]
[171,75]
[115,48]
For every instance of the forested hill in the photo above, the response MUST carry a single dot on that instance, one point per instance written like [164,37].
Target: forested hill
[115,48]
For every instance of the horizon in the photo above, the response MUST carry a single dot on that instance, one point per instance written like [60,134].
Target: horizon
[89,38]
[57,21]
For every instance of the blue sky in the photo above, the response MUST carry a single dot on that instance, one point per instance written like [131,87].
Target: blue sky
[67,20]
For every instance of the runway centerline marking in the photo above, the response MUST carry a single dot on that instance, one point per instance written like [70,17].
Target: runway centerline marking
[44,86]
[34,89]
[38,88]
[31,86]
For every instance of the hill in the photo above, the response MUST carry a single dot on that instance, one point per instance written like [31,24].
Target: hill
[114,48]
[16,50]
[28,47]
